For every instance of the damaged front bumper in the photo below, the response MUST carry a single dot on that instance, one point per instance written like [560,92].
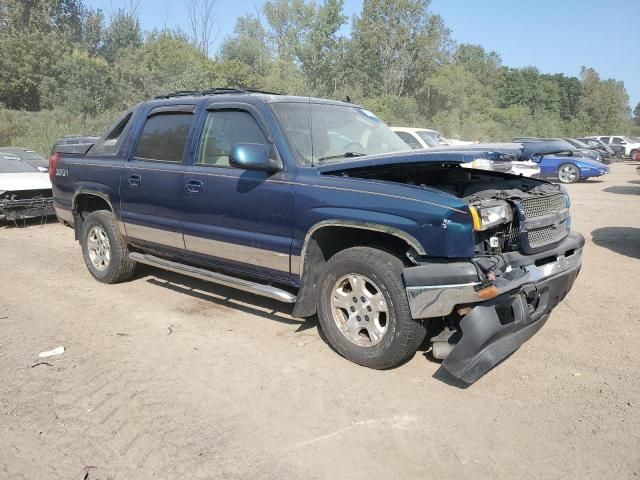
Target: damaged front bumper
[20,209]
[501,313]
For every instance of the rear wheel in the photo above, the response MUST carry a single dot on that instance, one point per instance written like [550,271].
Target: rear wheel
[363,309]
[633,154]
[568,173]
[105,252]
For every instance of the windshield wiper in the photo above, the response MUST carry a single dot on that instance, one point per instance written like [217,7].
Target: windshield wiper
[342,155]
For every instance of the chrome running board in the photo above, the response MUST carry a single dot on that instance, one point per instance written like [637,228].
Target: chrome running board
[214,277]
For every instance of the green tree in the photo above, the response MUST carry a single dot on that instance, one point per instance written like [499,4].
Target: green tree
[395,45]
[93,32]
[603,105]
[289,24]
[248,45]
[123,33]
[636,114]
[321,54]
[82,84]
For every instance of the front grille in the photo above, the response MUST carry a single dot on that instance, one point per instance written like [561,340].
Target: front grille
[534,239]
[537,207]
[543,236]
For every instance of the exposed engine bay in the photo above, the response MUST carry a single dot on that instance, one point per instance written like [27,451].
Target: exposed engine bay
[502,204]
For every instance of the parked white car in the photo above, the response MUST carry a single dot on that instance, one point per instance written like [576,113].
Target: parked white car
[25,191]
[630,146]
[418,138]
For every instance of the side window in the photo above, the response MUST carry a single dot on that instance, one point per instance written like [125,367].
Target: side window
[409,140]
[224,129]
[605,139]
[617,141]
[109,144]
[164,137]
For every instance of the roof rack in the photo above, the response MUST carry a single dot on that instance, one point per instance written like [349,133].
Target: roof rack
[211,91]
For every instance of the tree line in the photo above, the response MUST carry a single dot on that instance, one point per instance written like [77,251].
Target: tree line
[396,57]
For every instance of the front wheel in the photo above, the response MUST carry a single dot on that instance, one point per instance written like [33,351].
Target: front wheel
[105,252]
[363,309]
[632,154]
[568,173]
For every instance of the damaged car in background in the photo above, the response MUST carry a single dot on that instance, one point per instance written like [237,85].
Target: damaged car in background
[319,204]
[25,191]
[28,156]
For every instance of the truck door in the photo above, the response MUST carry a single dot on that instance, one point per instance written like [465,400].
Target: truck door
[151,184]
[232,218]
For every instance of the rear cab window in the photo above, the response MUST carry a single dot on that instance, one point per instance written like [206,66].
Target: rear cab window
[110,143]
[164,135]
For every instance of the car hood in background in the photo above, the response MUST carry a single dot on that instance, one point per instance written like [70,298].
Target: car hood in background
[10,182]
[433,155]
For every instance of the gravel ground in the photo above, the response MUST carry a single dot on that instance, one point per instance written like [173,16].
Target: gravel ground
[169,377]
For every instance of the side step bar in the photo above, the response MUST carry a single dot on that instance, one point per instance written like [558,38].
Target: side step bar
[214,277]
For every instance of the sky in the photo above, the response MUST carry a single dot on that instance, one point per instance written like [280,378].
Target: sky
[557,36]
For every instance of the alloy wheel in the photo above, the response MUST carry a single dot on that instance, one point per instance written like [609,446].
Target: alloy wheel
[99,248]
[359,310]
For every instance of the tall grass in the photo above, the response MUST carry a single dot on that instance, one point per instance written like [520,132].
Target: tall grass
[38,131]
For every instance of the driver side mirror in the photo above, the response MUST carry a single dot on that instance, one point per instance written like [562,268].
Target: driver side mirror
[253,156]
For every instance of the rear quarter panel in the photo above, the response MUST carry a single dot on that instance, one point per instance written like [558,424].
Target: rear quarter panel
[78,173]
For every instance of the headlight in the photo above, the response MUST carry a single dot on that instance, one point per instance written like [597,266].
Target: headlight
[488,216]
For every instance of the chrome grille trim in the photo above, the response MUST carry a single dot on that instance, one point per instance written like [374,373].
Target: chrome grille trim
[549,234]
[537,207]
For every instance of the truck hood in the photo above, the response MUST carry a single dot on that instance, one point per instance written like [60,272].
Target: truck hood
[10,182]
[432,155]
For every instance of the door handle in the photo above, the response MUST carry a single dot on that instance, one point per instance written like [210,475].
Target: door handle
[135,180]
[194,186]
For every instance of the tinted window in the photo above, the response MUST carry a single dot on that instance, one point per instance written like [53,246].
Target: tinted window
[409,140]
[223,130]
[164,137]
[605,139]
[109,144]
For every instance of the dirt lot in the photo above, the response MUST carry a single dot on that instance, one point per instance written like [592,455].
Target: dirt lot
[168,377]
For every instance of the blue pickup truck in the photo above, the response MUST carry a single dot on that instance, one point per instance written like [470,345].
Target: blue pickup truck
[319,204]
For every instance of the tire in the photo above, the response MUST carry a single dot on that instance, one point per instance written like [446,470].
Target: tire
[379,275]
[105,252]
[632,154]
[568,173]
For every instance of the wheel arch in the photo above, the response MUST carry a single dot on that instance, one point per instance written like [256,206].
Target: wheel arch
[328,237]
[86,201]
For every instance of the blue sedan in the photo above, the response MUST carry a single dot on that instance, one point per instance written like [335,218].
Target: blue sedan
[570,169]
[558,161]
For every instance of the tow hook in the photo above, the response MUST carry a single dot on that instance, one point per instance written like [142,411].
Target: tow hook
[532,296]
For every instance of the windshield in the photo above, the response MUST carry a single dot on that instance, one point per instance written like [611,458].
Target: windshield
[328,133]
[10,163]
[430,138]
